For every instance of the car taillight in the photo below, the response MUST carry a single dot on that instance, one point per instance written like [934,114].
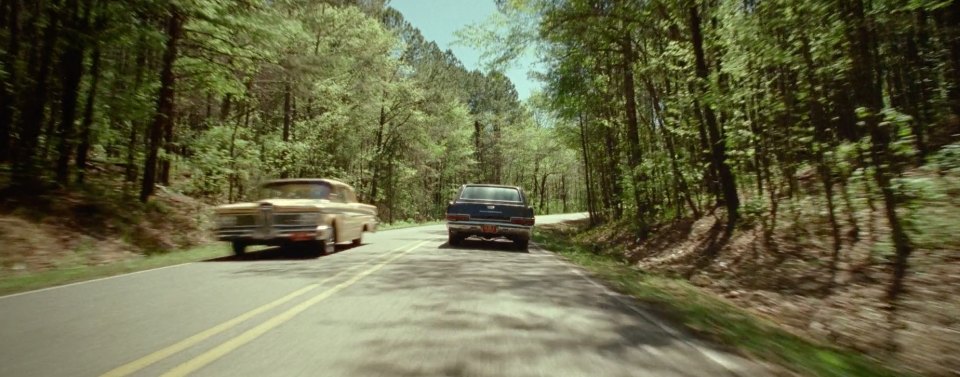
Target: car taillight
[522,221]
[457,217]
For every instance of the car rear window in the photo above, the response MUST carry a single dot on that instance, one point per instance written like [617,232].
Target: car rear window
[503,194]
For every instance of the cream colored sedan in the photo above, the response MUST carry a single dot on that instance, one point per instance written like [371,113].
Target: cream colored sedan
[314,213]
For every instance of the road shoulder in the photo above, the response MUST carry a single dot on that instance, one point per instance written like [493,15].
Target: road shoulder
[716,324]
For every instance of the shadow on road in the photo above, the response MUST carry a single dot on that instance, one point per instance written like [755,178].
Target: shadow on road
[279,254]
[476,312]
[479,244]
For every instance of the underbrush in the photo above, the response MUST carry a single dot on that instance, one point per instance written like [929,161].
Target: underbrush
[782,267]
[96,223]
[702,312]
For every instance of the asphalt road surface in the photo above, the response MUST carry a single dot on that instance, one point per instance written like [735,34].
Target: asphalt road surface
[403,304]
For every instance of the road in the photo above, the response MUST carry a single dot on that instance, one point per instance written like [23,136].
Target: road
[402,304]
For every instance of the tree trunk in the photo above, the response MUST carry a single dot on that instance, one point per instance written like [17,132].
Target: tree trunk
[478,148]
[72,71]
[130,172]
[718,149]
[947,19]
[497,154]
[633,129]
[563,193]
[84,149]
[679,182]
[613,192]
[32,116]
[131,169]
[758,150]
[869,92]
[377,156]
[710,172]
[10,86]
[165,104]
[287,116]
[543,192]
[823,141]
[233,157]
[225,107]
[49,130]
[591,208]
[169,149]
[917,80]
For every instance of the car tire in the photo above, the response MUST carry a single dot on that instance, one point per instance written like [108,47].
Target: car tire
[329,246]
[521,244]
[454,239]
[357,241]
[239,248]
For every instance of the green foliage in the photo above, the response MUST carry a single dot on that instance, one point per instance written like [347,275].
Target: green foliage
[260,90]
[947,160]
[753,211]
[66,273]
[764,107]
[783,77]
[931,209]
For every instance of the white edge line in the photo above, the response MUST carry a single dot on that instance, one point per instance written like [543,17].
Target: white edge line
[710,354]
[93,280]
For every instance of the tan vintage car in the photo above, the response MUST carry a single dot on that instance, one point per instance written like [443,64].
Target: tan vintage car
[315,213]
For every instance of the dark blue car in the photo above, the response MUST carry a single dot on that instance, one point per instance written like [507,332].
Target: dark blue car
[490,212]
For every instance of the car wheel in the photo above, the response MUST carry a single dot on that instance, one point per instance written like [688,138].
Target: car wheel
[330,244]
[454,239]
[239,248]
[521,244]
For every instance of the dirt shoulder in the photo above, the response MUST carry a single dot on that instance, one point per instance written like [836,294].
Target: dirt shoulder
[65,236]
[787,275]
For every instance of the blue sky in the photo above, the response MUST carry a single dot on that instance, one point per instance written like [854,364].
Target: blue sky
[438,20]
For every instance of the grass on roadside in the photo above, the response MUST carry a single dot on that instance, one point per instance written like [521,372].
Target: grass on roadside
[75,272]
[711,317]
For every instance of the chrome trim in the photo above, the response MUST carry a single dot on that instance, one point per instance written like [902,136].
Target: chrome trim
[278,232]
[269,226]
[503,229]
[496,223]
[278,218]
[501,232]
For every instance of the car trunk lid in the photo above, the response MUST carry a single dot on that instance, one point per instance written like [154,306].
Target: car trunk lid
[490,211]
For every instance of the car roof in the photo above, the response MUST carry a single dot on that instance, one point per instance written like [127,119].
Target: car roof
[331,182]
[490,185]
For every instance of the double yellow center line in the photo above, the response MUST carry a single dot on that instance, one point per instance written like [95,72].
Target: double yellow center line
[251,334]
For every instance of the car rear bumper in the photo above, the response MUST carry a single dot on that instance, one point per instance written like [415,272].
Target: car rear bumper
[475,228]
[275,235]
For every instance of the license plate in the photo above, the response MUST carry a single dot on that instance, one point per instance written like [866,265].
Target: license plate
[488,228]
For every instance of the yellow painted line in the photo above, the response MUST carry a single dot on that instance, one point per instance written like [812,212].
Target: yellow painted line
[249,335]
[143,362]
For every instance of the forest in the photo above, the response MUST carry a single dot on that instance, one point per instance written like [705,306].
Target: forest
[211,97]
[682,107]
[830,129]
[823,135]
